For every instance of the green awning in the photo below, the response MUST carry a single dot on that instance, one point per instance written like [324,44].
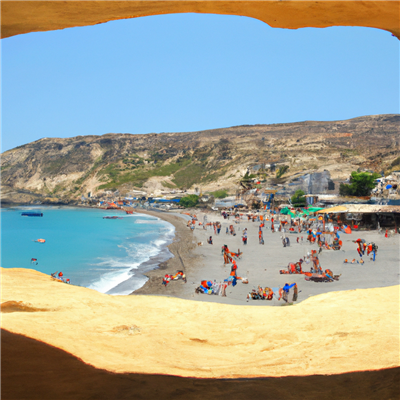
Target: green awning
[314,209]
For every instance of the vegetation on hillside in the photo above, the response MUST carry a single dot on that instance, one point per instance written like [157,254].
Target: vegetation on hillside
[282,170]
[67,168]
[361,184]
[298,199]
[189,201]
[395,162]
[220,194]
[186,170]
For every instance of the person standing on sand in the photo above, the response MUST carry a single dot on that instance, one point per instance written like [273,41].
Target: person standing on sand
[234,268]
[295,292]
[286,289]
[372,248]
[260,237]
[245,236]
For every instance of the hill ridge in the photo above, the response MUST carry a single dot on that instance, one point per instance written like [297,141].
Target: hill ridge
[62,169]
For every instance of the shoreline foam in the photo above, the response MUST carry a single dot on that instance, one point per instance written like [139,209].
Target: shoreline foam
[103,263]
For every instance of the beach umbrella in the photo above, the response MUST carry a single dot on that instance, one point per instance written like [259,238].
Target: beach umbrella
[389,186]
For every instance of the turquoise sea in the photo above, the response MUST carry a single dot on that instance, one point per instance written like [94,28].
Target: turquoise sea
[108,255]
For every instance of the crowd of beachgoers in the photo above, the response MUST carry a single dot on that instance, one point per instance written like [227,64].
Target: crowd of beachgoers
[267,256]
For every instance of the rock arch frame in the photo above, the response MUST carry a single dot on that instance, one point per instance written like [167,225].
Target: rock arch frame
[19,17]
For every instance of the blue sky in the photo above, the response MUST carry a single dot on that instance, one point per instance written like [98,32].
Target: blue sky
[188,72]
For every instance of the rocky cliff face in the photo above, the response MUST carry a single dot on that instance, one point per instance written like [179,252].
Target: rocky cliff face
[64,169]
[23,17]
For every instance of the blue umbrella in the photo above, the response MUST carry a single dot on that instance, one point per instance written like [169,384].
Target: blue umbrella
[388,186]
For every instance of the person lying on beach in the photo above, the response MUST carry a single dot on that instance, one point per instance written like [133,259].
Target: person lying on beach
[179,275]
[206,286]
[329,274]
[261,294]
[253,295]
[268,293]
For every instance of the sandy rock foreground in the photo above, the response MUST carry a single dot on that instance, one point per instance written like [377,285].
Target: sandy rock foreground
[327,334]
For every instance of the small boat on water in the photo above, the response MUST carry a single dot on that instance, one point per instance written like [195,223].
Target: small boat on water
[40,240]
[112,217]
[129,212]
[31,214]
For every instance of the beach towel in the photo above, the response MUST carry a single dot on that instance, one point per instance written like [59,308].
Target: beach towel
[276,291]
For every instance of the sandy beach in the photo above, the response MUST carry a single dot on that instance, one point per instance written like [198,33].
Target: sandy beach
[261,263]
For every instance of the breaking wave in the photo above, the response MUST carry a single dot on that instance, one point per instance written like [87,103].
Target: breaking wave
[116,270]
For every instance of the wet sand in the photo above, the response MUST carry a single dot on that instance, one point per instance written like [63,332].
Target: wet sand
[183,258]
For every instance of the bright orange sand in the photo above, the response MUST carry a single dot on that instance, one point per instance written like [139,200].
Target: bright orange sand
[327,334]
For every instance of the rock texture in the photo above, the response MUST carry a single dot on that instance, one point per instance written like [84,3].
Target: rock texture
[61,170]
[39,365]
[32,16]
[327,334]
